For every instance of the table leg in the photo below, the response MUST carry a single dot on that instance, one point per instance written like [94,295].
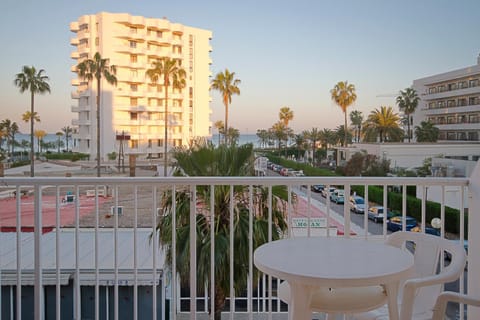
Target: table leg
[392,296]
[300,298]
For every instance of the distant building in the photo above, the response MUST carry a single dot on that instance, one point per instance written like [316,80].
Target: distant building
[451,101]
[134,109]
[143,270]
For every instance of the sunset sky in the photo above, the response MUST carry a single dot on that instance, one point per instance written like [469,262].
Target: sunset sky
[286,53]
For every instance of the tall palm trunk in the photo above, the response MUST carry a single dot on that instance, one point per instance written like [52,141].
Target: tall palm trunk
[165,160]
[219,304]
[98,127]
[408,126]
[345,129]
[32,150]
[225,133]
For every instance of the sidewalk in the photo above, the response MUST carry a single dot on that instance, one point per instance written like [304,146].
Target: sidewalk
[318,209]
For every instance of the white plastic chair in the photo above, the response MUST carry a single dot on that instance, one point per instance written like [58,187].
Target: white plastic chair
[419,293]
[442,300]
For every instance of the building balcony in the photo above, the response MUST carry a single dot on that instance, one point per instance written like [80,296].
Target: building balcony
[451,93]
[452,110]
[81,122]
[75,95]
[74,26]
[75,55]
[75,82]
[93,247]
[74,41]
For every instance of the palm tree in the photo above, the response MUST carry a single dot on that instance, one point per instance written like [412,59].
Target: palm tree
[224,160]
[36,83]
[407,102]
[314,136]
[356,118]
[340,133]
[427,132]
[59,135]
[384,124]
[172,74]
[220,128]
[68,134]
[40,134]
[97,68]
[285,115]
[263,137]
[10,129]
[227,85]
[27,116]
[343,94]
[232,135]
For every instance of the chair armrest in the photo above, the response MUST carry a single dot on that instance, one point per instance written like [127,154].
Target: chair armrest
[443,298]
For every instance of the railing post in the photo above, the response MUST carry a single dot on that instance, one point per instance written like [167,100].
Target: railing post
[474,239]
[38,291]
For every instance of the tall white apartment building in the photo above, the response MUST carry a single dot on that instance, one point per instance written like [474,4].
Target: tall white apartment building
[133,111]
[451,101]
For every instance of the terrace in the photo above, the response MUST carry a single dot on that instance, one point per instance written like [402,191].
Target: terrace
[96,254]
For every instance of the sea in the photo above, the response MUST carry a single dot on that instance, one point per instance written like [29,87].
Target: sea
[51,137]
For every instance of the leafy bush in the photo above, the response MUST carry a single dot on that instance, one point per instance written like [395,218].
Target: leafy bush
[68,156]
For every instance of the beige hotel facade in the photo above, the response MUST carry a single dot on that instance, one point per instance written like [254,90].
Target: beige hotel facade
[134,109]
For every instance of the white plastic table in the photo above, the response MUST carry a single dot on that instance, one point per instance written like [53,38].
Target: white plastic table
[309,263]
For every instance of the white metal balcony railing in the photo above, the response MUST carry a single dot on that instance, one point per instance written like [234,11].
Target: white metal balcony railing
[85,261]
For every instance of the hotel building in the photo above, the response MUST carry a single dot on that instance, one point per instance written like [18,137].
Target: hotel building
[451,101]
[132,113]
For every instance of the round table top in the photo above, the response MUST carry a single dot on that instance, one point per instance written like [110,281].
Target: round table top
[333,261]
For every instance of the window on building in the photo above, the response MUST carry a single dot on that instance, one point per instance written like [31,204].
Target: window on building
[452,86]
[132,44]
[462,84]
[134,87]
[441,104]
[159,34]
[133,58]
[473,118]
[134,144]
[149,143]
[451,136]
[97,41]
[133,30]
[133,101]
[451,103]
[473,83]
[451,120]
[133,116]
[462,102]
[160,143]
[473,136]
[472,101]
[432,90]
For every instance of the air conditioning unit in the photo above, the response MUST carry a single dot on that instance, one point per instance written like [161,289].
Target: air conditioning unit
[119,210]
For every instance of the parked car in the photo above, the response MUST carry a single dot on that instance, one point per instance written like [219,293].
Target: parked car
[375,213]
[326,191]
[338,196]
[395,223]
[428,230]
[317,188]
[357,204]
[297,173]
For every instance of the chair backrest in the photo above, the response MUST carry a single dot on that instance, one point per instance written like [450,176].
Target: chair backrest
[445,297]
[421,291]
